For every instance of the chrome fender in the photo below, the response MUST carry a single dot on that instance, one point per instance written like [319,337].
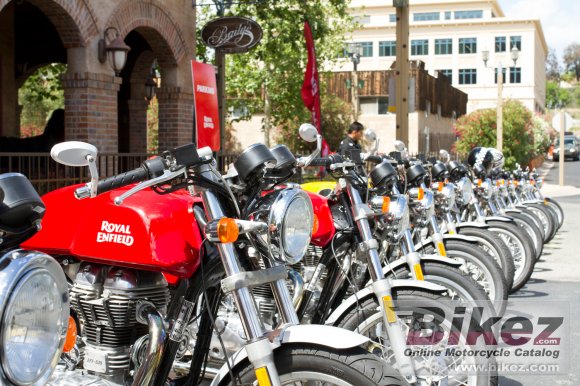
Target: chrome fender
[367,292]
[446,236]
[498,218]
[471,224]
[328,336]
[512,211]
[427,258]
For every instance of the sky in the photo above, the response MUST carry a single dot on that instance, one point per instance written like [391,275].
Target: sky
[560,19]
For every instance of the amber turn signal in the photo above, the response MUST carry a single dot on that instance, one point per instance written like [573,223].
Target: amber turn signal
[386,204]
[71,335]
[420,194]
[227,230]
[315,225]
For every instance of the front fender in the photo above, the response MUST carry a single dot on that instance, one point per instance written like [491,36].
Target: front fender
[472,224]
[327,336]
[512,211]
[367,292]
[498,218]
[446,236]
[393,266]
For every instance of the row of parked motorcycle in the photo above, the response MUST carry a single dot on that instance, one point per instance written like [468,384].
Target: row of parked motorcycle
[175,274]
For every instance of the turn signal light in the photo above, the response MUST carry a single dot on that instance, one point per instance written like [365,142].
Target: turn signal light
[420,194]
[386,204]
[439,186]
[71,335]
[479,182]
[227,230]
[315,225]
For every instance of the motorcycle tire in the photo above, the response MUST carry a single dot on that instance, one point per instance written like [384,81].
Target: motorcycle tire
[460,286]
[557,208]
[494,246]
[481,266]
[365,318]
[308,362]
[521,248]
[548,218]
[528,224]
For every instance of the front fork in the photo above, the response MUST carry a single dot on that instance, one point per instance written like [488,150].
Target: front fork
[437,237]
[393,329]
[412,257]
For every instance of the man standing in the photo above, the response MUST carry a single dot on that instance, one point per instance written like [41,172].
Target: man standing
[353,136]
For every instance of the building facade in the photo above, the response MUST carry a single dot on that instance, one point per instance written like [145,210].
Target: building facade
[102,107]
[450,37]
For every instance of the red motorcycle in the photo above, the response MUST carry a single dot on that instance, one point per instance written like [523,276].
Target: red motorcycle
[150,265]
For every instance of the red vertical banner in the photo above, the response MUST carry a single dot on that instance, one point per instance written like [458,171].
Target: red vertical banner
[207,124]
[311,86]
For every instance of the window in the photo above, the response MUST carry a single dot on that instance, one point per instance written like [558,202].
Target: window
[443,46]
[447,15]
[367,49]
[495,75]
[392,17]
[515,75]
[374,105]
[469,14]
[362,19]
[448,73]
[468,76]
[425,16]
[388,48]
[420,47]
[516,41]
[500,44]
[467,45]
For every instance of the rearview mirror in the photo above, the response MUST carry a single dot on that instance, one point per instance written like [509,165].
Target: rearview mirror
[400,146]
[370,135]
[444,156]
[308,132]
[73,153]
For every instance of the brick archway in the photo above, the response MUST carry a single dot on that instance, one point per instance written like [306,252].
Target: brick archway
[75,21]
[155,25]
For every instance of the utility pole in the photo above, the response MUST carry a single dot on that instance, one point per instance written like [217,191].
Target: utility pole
[499,125]
[562,154]
[402,71]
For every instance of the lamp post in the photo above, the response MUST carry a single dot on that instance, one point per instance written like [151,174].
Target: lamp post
[354,52]
[515,53]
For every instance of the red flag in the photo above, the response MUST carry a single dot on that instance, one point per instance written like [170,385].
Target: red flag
[310,87]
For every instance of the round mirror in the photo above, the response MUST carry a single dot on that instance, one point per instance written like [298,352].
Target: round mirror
[308,132]
[73,153]
[400,146]
[444,155]
[370,135]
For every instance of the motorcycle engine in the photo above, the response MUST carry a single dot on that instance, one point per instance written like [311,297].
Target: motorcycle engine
[105,300]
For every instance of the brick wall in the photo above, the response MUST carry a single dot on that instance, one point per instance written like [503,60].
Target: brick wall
[175,117]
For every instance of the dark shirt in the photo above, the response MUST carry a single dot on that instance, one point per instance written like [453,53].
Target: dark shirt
[348,144]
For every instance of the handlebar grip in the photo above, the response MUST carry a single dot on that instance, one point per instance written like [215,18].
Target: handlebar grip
[321,161]
[123,179]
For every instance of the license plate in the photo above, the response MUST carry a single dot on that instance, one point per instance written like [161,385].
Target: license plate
[95,361]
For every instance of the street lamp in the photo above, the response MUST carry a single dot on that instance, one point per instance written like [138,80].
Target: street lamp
[354,52]
[515,53]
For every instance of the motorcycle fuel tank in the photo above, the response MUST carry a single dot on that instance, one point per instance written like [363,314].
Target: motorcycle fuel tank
[147,231]
[325,230]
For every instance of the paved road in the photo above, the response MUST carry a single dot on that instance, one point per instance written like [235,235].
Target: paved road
[557,275]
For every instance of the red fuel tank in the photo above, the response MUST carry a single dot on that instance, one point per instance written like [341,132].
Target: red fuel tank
[147,231]
[325,230]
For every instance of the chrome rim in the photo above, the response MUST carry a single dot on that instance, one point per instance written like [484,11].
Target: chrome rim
[516,248]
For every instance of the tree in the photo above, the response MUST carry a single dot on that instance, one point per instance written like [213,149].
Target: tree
[556,96]
[269,77]
[479,129]
[572,59]
[553,68]
[40,94]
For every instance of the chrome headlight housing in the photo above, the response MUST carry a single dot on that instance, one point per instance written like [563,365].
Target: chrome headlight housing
[395,218]
[34,309]
[465,189]
[289,215]
[487,189]
[423,205]
[448,192]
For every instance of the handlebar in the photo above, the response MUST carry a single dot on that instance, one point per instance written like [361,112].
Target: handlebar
[321,161]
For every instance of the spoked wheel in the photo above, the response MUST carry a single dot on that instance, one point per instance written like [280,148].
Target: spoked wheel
[547,217]
[557,208]
[494,246]
[311,365]
[481,267]
[521,248]
[525,222]
[415,310]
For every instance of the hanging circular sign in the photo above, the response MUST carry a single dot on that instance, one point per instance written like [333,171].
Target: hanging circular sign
[232,34]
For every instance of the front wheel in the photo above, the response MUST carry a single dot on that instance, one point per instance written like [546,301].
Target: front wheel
[557,208]
[309,364]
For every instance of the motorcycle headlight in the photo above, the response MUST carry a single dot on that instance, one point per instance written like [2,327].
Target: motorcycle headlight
[448,192]
[487,188]
[35,308]
[289,216]
[394,216]
[465,188]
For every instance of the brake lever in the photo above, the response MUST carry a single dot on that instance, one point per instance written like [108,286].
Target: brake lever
[166,176]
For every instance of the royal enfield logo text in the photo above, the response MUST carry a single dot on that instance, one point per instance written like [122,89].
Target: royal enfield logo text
[115,233]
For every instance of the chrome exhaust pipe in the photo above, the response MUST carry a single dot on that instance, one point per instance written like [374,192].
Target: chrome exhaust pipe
[148,314]
[298,284]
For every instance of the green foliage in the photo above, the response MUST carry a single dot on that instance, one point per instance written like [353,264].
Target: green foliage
[153,126]
[39,96]
[275,67]
[522,139]
[572,60]
[556,96]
